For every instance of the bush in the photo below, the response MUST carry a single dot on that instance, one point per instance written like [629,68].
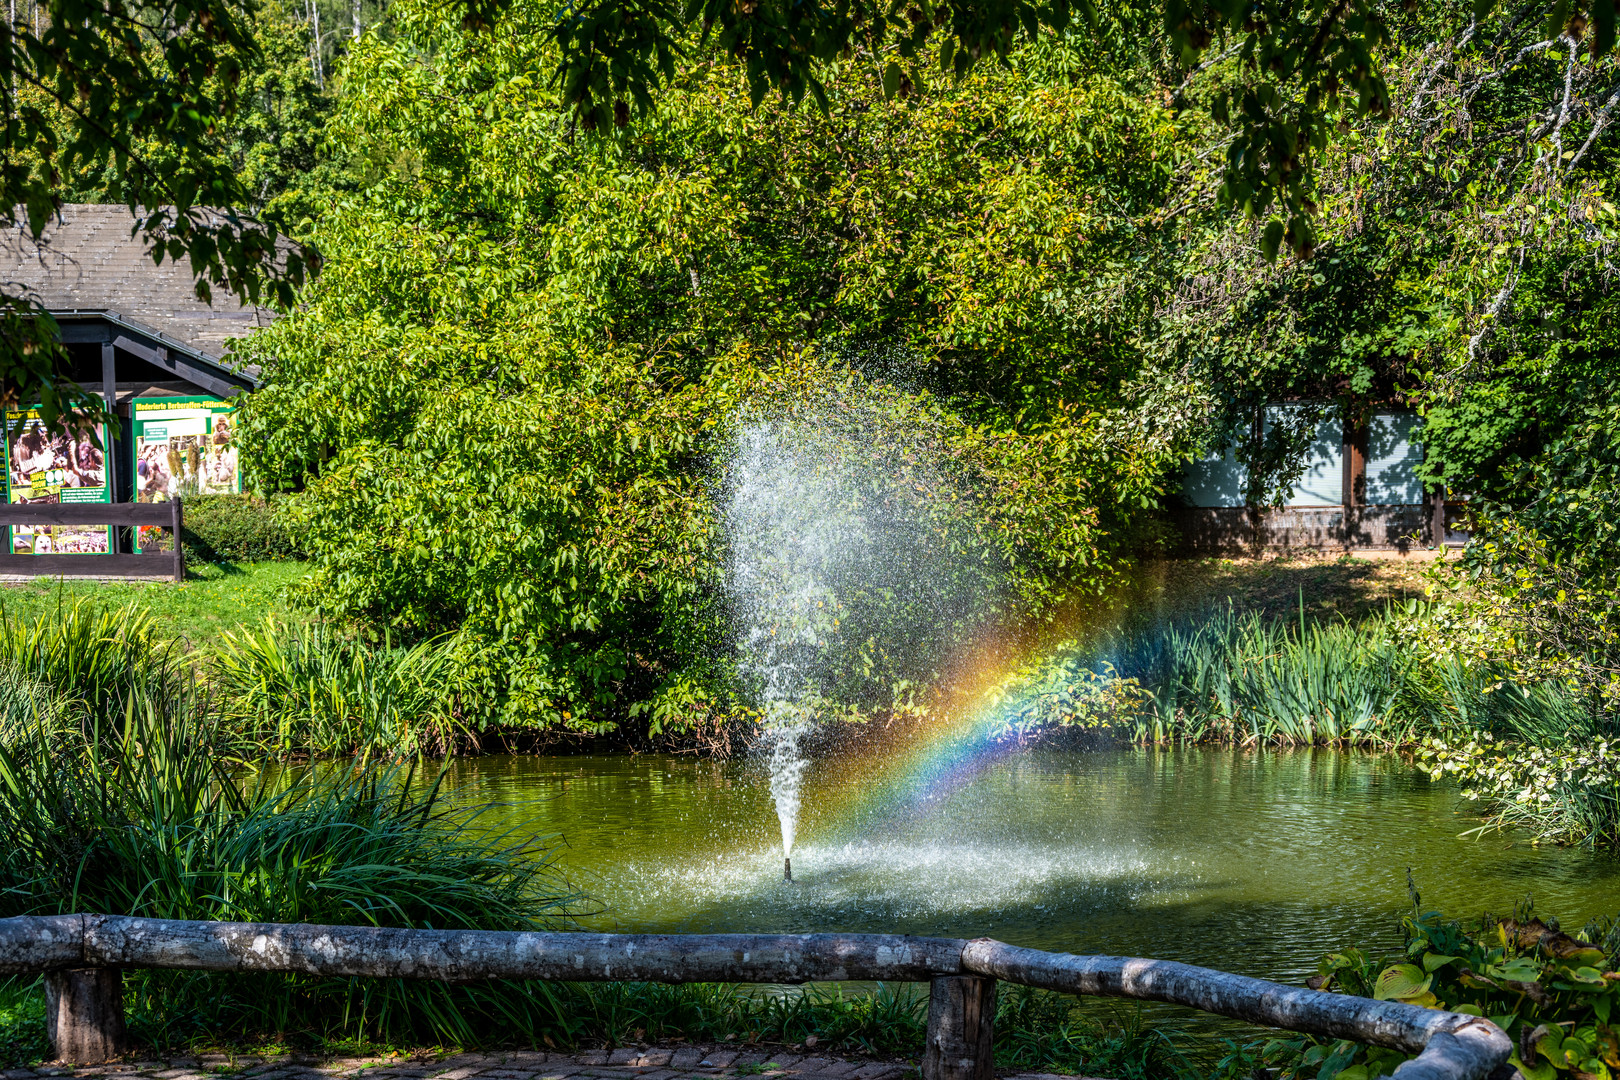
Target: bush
[235,528]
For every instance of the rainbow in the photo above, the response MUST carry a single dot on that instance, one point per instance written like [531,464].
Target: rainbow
[911,764]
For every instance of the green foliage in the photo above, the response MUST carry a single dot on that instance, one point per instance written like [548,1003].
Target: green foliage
[89,657]
[1554,995]
[509,397]
[1567,791]
[153,820]
[1245,679]
[89,89]
[235,528]
[303,688]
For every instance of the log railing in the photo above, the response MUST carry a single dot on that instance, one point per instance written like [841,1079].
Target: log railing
[153,563]
[82,956]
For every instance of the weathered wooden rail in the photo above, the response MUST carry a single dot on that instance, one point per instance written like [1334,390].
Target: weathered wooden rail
[82,956]
[170,562]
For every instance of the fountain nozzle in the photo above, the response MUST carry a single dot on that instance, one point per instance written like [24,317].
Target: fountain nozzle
[787,869]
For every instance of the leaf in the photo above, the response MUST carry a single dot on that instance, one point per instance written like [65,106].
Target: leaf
[1400,982]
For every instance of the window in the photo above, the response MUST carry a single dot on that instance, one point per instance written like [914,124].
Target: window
[1393,453]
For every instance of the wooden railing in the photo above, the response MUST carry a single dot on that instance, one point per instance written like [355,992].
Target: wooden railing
[150,564]
[82,956]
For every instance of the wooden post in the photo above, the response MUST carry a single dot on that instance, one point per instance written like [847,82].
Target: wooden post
[84,1015]
[1437,518]
[179,547]
[961,1029]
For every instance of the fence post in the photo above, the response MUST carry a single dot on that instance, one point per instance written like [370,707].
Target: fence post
[961,1029]
[179,548]
[84,1014]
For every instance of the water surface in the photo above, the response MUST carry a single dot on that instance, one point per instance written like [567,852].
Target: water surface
[1254,862]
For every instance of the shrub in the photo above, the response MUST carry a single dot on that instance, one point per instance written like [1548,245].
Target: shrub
[235,528]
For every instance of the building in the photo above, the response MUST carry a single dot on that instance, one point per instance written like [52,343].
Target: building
[1359,493]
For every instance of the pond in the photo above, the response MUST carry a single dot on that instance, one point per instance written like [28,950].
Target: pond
[1249,861]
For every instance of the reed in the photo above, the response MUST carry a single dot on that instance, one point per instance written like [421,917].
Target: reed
[1285,682]
[306,688]
[84,658]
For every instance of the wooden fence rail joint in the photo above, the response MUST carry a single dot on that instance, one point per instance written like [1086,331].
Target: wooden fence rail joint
[82,955]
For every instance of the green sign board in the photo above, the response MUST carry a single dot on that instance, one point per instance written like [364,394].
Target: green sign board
[182,447]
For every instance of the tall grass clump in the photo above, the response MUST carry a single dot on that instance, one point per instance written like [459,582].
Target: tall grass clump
[306,688]
[145,814]
[84,659]
[1256,681]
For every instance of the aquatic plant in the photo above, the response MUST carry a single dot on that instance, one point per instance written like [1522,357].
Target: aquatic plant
[150,816]
[1557,996]
[88,657]
[298,687]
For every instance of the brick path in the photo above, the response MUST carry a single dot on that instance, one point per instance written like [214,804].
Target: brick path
[669,1063]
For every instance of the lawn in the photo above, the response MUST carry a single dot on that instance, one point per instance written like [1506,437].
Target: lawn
[214,597]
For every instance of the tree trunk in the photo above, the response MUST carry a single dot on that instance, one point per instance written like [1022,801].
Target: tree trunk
[84,1014]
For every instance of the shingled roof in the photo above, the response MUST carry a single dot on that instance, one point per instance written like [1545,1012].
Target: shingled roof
[87,261]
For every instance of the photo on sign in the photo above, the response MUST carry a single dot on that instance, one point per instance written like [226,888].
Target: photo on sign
[47,468]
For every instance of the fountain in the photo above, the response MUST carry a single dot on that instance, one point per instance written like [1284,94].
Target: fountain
[838,582]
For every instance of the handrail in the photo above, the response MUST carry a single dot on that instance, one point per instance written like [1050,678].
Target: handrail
[168,515]
[82,955]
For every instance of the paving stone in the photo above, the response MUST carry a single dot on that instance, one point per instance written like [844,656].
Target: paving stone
[783,1061]
[822,1066]
[746,1059]
[878,1070]
[624,1055]
[655,1057]
[687,1057]
[719,1059]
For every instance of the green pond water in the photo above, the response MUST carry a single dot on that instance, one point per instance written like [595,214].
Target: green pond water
[1254,862]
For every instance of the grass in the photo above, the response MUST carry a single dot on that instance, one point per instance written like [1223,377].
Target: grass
[214,597]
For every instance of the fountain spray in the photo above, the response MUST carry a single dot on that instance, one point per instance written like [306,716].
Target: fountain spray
[834,561]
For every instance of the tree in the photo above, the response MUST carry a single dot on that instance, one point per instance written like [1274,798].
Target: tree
[1306,66]
[510,395]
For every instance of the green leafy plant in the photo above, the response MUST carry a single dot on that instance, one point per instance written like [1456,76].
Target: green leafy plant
[1557,996]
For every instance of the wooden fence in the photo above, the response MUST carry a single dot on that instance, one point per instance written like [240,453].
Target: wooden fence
[150,564]
[82,956]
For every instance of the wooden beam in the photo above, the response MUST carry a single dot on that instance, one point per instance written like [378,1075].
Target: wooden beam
[961,1029]
[1449,1046]
[86,514]
[1469,1042]
[179,544]
[467,955]
[109,383]
[89,565]
[84,1015]
[160,357]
